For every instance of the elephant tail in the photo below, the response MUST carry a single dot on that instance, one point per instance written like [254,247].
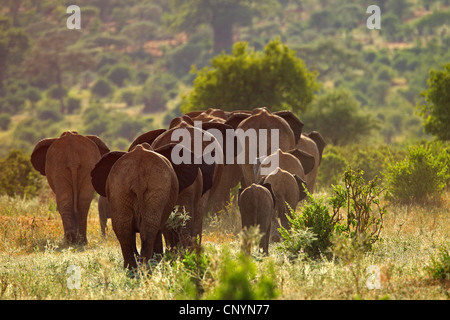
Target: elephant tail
[139,193]
[75,191]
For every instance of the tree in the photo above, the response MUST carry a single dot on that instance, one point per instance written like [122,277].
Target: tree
[140,32]
[246,79]
[14,44]
[221,15]
[337,116]
[401,8]
[436,111]
[102,88]
[52,57]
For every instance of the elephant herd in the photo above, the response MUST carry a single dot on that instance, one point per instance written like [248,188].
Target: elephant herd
[140,188]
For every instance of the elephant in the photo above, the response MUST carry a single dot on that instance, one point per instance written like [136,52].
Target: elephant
[257,207]
[262,118]
[313,143]
[231,176]
[67,162]
[288,190]
[294,161]
[142,187]
[104,213]
[195,198]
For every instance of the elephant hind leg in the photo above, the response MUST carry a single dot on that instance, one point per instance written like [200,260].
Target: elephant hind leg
[150,238]
[127,239]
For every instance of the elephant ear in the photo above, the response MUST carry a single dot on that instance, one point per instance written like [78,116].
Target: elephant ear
[236,118]
[301,187]
[268,186]
[187,173]
[39,154]
[102,147]
[100,173]
[148,137]
[320,142]
[307,160]
[294,122]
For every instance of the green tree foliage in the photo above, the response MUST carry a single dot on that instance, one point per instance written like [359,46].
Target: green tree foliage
[118,74]
[338,117]
[14,44]
[52,57]
[18,177]
[246,79]
[102,88]
[5,120]
[436,111]
[221,15]
[239,279]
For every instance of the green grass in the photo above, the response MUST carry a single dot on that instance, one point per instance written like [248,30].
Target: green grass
[34,260]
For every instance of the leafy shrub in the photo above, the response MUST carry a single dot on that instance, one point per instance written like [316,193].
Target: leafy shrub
[5,121]
[196,264]
[311,230]
[440,264]
[18,177]
[352,217]
[357,198]
[57,93]
[128,96]
[420,177]
[331,167]
[49,112]
[118,74]
[239,280]
[73,105]
[102,88]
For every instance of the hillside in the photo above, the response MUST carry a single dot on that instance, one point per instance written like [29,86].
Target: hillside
[123,72]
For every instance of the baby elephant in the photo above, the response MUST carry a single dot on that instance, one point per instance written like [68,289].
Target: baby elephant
[257,207]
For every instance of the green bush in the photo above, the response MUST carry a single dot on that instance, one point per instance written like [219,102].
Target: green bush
[310,231]
[360,202]
[352,217]
[440,264]
[128,96]
[421,177]
[73,105]
[18,177]
[5,121]
[56,93]
[331,168]
[118,74]
[239,280]
[102,88]
[49,112]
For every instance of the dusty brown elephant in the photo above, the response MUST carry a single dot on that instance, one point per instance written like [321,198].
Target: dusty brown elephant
[142,187]
[257,208]
[195,198]
[287,188]
[260,119]
[67,162]
[313,144]
[294,161]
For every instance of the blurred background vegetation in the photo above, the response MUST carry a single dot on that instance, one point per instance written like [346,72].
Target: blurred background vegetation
[134,63]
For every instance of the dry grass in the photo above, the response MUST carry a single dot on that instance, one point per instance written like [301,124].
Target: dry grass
[34,260]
